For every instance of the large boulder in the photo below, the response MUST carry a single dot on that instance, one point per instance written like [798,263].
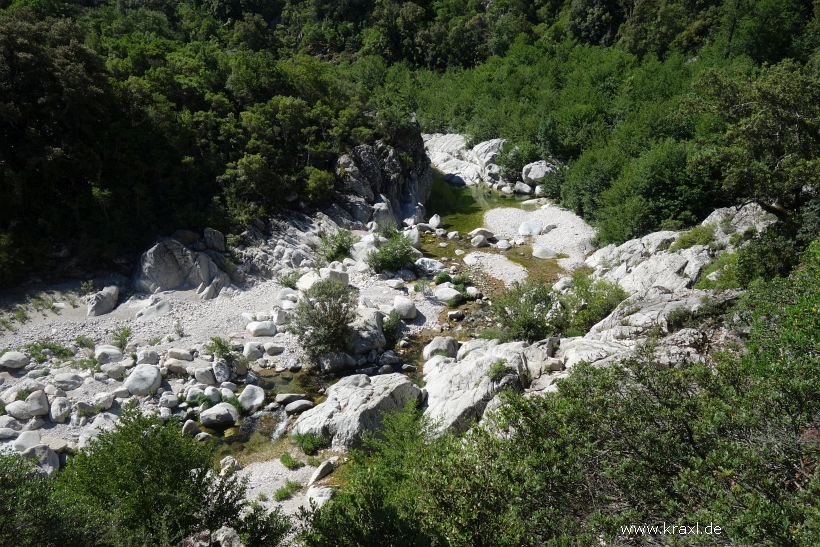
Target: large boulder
[143,380]
[67,381]
[103,301]
[534,173]
[60,409]
[429,266]
[215,240]
[14,360]
[219,416]
[448,294]
[46,461]
[36,404]
[458,391]
[251,398]
[441,345]
[106,353]
[154,307]
[355,405]
[170,265]
[368,333]
[529,229]
[405,307]
[261,328]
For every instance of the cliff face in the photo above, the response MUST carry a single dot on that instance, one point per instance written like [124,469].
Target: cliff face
[382,183]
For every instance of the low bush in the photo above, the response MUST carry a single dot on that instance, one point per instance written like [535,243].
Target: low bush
[290,462]
[285,492]
[391,327]
[335,246]
[527,311]
[499,370]
[35,350]
[308,442]
[442,277]
[220,347]
[699,235]
[84,342]
[121,336]
[588,302]
[393,254]
[290,280]
[322,317]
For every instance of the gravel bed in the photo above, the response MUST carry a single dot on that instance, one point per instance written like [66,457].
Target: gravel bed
[499,267]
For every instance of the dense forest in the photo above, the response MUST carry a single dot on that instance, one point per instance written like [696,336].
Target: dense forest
[124,120]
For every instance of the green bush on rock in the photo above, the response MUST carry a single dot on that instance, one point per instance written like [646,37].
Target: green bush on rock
[322,317]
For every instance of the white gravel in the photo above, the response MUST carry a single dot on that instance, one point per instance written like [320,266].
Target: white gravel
[572,236]
[267,477]
[499,267]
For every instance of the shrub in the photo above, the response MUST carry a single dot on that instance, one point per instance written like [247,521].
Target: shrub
[442,277]
[526,311]
[35,349]
[147,484]
[728,276]
[335,246]
[393,254]
[391,327]
[234,402]
[283,493]
[699,235]
[588,302]
[289,461]
[220,347]
[462,279]
[27,518]
[322,317]
[121,336]
[308,442]
[84,342]
[290,280]
[498,370]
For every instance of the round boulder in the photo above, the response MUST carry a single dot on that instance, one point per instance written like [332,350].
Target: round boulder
[219,416]
[543,252]
[14,360]
[143,380]
[405,307]
[67,381]
[529,229]
[251,398]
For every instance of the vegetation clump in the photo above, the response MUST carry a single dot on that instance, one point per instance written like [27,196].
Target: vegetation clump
[322,317]
[393,254]
[308,442]
[335,247]
[289,461]
[699,235]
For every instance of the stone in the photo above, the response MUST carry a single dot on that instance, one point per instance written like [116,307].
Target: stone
[319,495]
[405,307]
[252,398]
[307,281]
[202,437]
[456,315]
[543,252]
[529,229]
[205,376]
[168,400]
[522,188]
[36,404]
[440,345]
[252,351]
[297,407]
[288,294]
[26,440]
[106,353]
[336,275]
[388,358]
[170,265]
[181,354]
[287,398]
[14,360]
[534,173]
[57,445]
[479,241]
[222,372]
[335,362]
[368,331]
[458,391]
[46,461]
[35,423]
[446,294]
[67,381]
[355,405]
[221,415]
[10,423]
[273,349]
[103,401]
[435,222]
[143,380]
[261,328]
[147,357]
[190,428]
[114,371]
[503,245]
[212,394]
[481,232]
[103,301]
[214,240]
[429,266]
[396,284]
[155,307]
[8,433]
[325,468]
[414,236]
